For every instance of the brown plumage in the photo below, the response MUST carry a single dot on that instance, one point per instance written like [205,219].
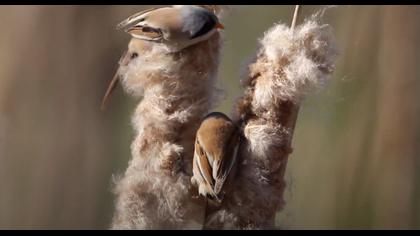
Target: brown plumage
[172,28]
[177,27]
[215,155]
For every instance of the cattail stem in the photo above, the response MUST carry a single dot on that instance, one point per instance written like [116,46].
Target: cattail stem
[295,16]
[295,110]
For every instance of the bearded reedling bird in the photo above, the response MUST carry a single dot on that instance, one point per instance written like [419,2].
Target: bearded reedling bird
[176,28]
[215,156]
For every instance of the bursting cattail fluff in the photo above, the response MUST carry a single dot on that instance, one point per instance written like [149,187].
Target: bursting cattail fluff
[289,64]
[292,62]
[178,91]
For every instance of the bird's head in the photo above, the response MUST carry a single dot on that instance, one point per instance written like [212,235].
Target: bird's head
[177,27]
[158,36]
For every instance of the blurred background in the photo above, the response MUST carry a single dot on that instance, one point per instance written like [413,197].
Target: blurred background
[356,163]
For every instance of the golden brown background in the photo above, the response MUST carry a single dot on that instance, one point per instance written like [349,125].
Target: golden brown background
[356,161]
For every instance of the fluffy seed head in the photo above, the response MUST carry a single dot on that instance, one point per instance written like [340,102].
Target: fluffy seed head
[293,62]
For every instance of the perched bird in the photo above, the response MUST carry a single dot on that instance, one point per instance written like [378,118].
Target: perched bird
[215,155]
[176,28]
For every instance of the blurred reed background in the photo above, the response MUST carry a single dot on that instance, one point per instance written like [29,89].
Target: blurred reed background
[357,142]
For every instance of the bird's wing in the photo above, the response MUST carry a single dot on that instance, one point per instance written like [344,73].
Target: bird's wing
[224,166]
[203,163]
[134,19]
[145,32]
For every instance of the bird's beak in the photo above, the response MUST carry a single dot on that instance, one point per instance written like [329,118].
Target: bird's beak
[219,26]
[111,88]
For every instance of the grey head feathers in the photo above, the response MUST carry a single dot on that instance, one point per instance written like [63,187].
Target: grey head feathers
[198,21]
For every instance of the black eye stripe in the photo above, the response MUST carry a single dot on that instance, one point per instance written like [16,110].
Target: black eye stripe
[205,28]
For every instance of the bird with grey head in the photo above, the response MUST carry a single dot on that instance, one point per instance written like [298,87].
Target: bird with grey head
[175,27]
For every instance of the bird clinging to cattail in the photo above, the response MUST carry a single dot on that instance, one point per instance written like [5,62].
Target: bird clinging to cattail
[289,63]
[215,156]
[171,28]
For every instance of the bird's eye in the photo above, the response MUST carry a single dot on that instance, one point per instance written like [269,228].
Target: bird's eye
[133,55]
